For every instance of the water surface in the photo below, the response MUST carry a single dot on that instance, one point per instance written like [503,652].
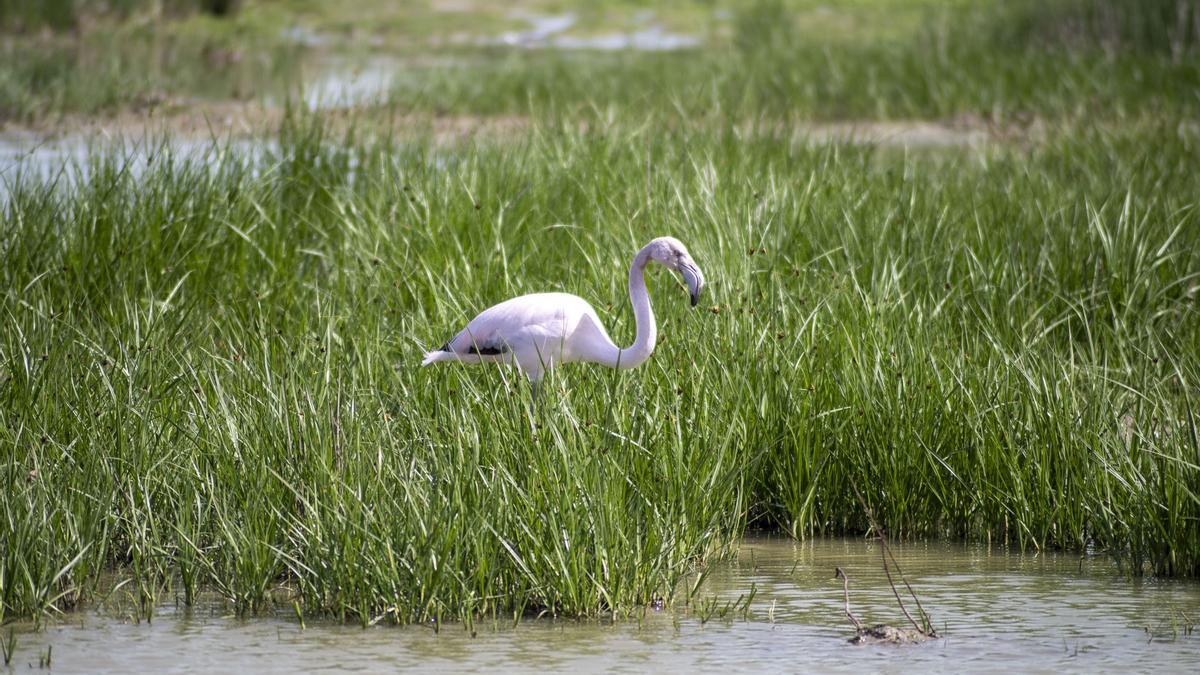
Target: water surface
[549,31]
[997,610]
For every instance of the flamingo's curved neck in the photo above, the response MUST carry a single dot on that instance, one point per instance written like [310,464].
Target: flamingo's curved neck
[647,331]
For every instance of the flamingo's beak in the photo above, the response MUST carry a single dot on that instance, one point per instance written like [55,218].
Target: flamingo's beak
[694,279]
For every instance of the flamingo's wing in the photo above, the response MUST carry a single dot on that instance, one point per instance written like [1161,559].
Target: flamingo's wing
[484,336]
[500,328]
[530,329]
[489,334]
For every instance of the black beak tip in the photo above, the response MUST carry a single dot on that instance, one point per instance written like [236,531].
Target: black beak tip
[695,299]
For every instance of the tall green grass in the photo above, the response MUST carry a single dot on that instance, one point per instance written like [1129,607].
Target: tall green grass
[209,380]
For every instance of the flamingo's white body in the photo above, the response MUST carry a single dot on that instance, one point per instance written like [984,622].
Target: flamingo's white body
[542,330]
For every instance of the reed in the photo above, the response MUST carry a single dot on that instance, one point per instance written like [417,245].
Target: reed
[210,371]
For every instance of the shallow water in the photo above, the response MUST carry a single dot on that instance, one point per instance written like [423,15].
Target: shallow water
[348,84]
[547,30]
[997,610]
[67,160]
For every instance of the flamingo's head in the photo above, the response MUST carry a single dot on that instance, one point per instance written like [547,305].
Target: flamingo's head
[671,252]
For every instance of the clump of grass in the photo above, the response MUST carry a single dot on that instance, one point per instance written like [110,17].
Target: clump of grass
[139,67]
[1169,27]
[210,371]
[24,15]
[1022,395]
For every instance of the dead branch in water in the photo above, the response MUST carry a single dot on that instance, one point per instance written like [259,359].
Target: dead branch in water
[925,628]
[880,632]
[839,574]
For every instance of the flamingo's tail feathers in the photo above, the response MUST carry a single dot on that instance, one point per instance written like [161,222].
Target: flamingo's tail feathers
[443,354]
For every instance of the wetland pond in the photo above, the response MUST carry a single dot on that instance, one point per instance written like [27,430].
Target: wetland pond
[995,609]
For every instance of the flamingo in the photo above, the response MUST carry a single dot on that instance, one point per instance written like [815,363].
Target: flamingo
[541,330]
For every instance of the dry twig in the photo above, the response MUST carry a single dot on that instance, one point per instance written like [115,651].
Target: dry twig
[925,628]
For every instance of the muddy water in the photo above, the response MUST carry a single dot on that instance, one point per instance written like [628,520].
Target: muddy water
[997,611]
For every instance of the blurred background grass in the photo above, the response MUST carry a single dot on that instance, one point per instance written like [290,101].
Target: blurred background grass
[860,59]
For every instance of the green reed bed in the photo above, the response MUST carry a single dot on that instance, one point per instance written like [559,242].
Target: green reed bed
[209,379]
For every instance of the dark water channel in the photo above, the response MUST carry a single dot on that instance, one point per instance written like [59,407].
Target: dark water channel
[997,610]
